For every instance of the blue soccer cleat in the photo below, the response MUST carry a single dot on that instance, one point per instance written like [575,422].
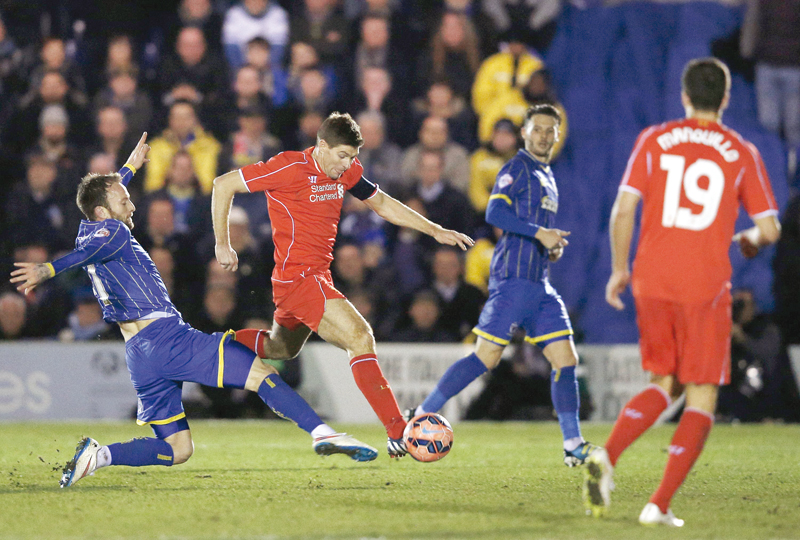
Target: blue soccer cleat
[577,457]
[342,443]
[83,464]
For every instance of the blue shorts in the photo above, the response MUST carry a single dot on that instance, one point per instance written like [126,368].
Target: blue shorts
[168,353]
[520,303]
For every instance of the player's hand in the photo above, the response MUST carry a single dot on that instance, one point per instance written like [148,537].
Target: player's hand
[453,238]
[29,275]
[227,257]
[552,238]
[139,155]
[616,284]
[555,253]
[746,245]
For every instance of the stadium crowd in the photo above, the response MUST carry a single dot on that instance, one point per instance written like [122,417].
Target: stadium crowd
[439,88]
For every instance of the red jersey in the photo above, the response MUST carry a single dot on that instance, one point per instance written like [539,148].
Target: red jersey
[304,208]
[692,175]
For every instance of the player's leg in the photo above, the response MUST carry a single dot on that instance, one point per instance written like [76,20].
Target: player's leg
[461,374]
[243,370]
[656,320]
[687,442]
[505,308]
[552,331]
[172,446]
[641,412]
[564,392]
[342,325]
[703,337]
[283,342]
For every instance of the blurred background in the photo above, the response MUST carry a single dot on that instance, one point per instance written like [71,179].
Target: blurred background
[439,88]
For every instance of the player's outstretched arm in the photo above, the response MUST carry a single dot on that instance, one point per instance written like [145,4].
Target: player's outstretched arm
[28,275]
[396,212]
[225,187]
[139,155]
[766,231]
[623,215]
[105,244]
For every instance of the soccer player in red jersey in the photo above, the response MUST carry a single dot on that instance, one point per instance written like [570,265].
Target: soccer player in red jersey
[304,192]
[691,175]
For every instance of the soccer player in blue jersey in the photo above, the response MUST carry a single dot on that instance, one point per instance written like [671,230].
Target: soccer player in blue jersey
[161,350]
[523,204]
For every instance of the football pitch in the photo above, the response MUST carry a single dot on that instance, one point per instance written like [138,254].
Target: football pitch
[261,479]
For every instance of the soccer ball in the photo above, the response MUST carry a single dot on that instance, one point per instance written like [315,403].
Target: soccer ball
[428,437]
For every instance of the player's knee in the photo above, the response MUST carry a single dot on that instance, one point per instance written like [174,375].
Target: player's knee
[181,452]
[362,342]
[282,353]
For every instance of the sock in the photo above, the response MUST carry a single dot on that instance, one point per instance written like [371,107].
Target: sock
[253,339]
[103,457]
[635,418]
[376,389]
[566,400]
[455,379]
[287,403]
[322,430]
[140,452]
[687,443]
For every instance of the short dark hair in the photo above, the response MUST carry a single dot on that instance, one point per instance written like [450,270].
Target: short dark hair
[706,81]
[93,191]
[542,108]
[259,41]
[340,128]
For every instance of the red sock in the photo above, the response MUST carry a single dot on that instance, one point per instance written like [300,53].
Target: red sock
[253,339]
[375,387]
[635,418]
[687,443]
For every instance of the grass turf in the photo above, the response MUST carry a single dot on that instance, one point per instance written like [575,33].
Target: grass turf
[260,479]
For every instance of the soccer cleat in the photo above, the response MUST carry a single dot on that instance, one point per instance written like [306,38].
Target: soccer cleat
[396,447]
[342,443]
[651,515]
[597,482]
[408,414]
[83,463]
[577,457]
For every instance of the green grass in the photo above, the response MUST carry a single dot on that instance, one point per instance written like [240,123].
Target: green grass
[502,480]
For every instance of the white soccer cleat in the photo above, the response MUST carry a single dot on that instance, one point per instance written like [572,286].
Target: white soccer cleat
[651,515]
[396,447]
[83,463]
[598,482]
[342,443]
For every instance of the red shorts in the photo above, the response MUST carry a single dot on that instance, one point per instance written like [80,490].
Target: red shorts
[691,341]
[302,301]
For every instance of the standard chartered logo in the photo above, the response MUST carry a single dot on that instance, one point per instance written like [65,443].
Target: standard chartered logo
[326,192]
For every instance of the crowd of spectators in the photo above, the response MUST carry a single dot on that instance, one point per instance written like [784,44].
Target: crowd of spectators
[438,87]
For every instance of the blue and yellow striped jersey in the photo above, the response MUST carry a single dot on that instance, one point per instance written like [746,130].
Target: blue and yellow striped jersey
[124,278]
[529,188]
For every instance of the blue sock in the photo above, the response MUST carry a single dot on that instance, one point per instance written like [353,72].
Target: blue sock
[287,403]
[140,452]
[564,393]
[455,379]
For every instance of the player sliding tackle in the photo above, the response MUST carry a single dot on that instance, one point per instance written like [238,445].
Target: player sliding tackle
[523,204]
[304,193]
[161,350]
